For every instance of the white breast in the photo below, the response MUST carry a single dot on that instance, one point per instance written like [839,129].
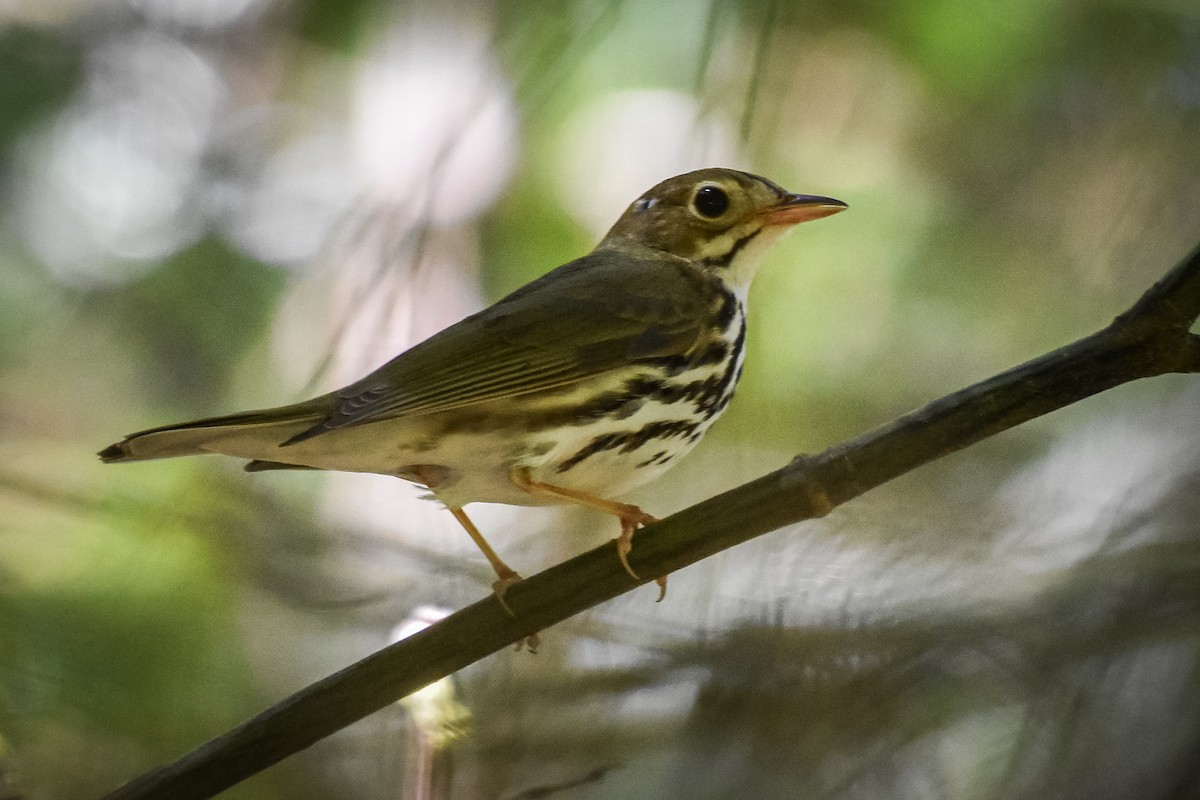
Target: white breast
[612,456]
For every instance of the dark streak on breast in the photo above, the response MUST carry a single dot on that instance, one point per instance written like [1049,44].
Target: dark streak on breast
[714,401]
[628,441]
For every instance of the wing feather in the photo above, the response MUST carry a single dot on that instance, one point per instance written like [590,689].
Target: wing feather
[604,311]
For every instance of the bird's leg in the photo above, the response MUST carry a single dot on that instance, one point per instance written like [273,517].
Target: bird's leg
[631,516]
[505,575]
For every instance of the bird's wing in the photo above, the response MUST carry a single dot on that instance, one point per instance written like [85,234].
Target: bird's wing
[606,310]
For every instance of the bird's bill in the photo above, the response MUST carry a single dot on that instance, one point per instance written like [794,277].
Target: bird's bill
[794,208]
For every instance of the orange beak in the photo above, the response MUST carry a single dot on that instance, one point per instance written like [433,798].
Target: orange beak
[794,208]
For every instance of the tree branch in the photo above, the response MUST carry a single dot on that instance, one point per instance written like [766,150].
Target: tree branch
[1151,338]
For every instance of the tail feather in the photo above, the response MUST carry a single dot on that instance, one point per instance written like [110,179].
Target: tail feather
[267,427]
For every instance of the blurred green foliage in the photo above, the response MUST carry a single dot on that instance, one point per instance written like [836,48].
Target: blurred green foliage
[191,318]
[38,70]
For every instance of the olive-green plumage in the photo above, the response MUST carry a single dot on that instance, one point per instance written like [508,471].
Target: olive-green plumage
[574,388]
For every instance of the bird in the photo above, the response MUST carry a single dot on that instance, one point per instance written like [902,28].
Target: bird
[576,388]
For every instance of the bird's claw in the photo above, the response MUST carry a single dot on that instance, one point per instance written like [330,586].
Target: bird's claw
[630,523]
[624,546]
[507,579]
[532,642]
[501,587]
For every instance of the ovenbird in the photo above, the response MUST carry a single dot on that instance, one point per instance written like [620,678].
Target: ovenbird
[582,385]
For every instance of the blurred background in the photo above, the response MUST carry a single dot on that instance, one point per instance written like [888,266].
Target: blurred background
[212,205]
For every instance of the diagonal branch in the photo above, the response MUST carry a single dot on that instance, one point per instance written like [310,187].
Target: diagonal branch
[1151,338]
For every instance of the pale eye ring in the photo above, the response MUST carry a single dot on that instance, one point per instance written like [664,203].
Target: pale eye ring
[710,201]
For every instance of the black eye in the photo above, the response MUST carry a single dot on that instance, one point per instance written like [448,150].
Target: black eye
[711,201]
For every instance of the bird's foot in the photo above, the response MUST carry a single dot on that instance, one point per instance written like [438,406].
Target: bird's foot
[530,642]
[633,518]
[506,578]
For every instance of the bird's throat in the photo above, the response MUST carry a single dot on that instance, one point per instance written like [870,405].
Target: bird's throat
[736,255]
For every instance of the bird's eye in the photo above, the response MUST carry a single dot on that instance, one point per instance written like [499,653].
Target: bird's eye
[710,201]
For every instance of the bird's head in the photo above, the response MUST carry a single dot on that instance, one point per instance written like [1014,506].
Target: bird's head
[721,219]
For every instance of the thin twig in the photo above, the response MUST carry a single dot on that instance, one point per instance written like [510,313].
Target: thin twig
[1152,338]
[758,74]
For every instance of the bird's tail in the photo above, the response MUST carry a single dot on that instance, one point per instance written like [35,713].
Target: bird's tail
[246,434]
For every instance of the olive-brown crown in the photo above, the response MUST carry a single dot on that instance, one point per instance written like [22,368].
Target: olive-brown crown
[683,215]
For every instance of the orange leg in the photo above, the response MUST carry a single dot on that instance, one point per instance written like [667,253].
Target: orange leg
[506,575]
[631,516]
